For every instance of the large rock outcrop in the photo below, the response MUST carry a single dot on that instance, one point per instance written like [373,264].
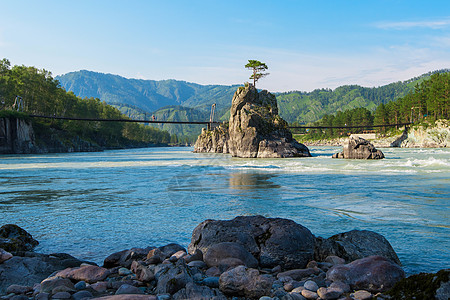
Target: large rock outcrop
[255,129]
[359,148]
[16,136]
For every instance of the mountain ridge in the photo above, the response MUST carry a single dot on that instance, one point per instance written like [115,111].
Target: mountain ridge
[295,106]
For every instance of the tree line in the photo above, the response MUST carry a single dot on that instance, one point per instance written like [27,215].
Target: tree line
[41,94]
[429,101]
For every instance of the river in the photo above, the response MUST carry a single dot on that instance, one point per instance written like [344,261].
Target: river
[93,204]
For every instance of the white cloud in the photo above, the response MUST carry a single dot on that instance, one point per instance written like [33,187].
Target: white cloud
[436,24]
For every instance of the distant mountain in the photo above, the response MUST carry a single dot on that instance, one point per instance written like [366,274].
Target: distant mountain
[180,100]
[148,95]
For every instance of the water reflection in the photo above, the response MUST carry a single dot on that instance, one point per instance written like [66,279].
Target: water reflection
[251,181]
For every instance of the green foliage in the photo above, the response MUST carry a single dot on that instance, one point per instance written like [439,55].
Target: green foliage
[429,101]
[311,106]
[257,68]
[139,97]
[43,95]
[13,114]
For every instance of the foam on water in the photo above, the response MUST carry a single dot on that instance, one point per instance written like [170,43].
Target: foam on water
[116,200]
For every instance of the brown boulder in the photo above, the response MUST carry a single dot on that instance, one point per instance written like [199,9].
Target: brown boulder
[373,273]
[89,274]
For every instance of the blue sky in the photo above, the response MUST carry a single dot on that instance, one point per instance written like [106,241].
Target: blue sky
[306,44]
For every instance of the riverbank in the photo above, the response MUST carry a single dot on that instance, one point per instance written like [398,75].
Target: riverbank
[19,135]
[435,135]
[251,257]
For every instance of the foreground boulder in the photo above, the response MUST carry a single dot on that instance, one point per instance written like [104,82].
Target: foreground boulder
[272,241]
[255,129]
[353,245]
[13,239]
[359,148]
[33,268]
[373,273]
[243,281]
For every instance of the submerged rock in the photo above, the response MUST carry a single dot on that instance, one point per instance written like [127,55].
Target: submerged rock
[255,129]
[359,148]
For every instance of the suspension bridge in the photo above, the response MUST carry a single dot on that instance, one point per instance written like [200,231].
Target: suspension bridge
[210,124]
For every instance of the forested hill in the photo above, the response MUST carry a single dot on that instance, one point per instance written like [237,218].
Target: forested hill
[303,107]
[148,95]
[295,106]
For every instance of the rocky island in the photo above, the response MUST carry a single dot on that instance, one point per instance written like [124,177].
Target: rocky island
[248,257]
[255,129]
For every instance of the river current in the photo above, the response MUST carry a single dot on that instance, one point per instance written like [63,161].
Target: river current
[93,204]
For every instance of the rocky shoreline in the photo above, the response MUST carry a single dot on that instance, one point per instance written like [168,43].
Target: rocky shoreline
[437,135]
[248,257]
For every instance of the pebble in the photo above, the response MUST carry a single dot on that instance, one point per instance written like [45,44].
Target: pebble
[4,255]
[128,289]
[298,289]
[197,264]
[329,294]
[124,272]
[296,296]
[18,289]
[163,296]
[339,285]
[312,264]
[265,298]
[212,282]
[82,295]
[309,294]
[334,260]
[276,269]
[288,286]
[42,296]
[361,295]
[311,285]
[80,285]
[100,286]
[61,295]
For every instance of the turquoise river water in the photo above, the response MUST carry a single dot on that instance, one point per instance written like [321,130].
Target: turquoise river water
[93,204]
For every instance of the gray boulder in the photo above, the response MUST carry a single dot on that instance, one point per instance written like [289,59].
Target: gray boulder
[359,148]
[124,258]
[273,241]
[355,244]
[194,291]
[218,254]
[32,268]
[243,281]
[14,239]
[373,273]
[88,273]
[172,277]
